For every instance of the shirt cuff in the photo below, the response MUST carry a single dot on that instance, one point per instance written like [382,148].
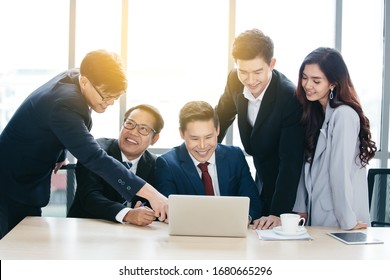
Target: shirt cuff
[121,215]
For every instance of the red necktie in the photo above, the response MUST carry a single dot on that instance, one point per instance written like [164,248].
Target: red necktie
[208,184]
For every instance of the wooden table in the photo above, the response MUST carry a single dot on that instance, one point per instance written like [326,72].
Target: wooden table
[44,238]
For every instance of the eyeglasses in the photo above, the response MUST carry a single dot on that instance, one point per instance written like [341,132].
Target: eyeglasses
[101,95]
[143,129]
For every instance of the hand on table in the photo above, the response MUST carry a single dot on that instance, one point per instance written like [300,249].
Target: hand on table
[139,215]
[158,202]
[266,222]
[303,215]
[360,225]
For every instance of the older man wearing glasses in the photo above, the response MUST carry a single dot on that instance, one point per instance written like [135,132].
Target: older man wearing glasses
[95,198]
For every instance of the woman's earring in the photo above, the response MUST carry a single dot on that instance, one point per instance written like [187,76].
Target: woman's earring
[331,94]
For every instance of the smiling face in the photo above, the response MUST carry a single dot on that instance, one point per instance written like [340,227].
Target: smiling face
[315,84]
[131,142]
[200,138]
[255,74]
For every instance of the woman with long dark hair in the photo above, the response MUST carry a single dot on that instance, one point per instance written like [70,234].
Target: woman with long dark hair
[333,187]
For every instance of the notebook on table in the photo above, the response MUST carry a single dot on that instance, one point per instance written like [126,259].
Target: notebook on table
[200,215]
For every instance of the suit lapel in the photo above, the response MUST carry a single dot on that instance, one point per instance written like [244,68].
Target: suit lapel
[242,110]
[144,166]
[89,124]
[113,150]
[190,170]
[222,170]
[243,124]
[267,104]
[323,135]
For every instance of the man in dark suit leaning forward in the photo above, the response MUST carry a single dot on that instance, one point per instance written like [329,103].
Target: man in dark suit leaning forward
[179,171]
[95,198]
[268,118]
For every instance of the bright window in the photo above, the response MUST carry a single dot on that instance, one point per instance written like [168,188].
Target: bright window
[98,26]
[296,28]
[34,48]
[362,48]
[177,53]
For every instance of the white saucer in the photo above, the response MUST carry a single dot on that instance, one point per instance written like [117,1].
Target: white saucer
[279,230]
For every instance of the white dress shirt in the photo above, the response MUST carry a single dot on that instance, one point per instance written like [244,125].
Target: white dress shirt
[254,103]
[212,168]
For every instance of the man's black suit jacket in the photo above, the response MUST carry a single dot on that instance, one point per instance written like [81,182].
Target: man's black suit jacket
[276,140]
[55,118]
[94,197]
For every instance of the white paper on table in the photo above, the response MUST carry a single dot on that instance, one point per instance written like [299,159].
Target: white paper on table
[269,234]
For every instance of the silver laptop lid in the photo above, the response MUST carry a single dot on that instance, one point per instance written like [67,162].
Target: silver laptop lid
[199,215]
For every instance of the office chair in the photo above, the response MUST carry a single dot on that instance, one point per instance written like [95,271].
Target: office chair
[63,187]
[379,196]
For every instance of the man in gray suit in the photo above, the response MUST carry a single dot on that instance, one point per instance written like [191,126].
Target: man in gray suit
[95,198]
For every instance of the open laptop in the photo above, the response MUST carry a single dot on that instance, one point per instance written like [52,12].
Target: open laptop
[200,215]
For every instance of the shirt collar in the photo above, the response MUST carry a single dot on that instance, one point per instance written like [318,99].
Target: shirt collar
[211,159]
[134,161]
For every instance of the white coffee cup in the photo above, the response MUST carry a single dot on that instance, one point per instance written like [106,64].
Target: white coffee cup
[290,223]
